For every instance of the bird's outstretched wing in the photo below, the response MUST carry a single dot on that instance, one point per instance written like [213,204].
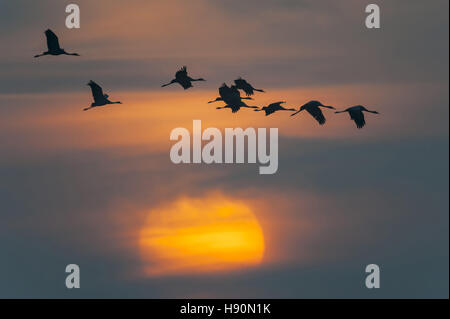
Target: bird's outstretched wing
[224,90]
[244,85]
[269,111]
[181,73]
[240,82]
[276,104]
[234,108]
[97,91]
[358,117]
[185,83]
[317,114]
[52,41]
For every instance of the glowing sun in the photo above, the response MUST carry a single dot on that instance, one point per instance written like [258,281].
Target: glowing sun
[201,235]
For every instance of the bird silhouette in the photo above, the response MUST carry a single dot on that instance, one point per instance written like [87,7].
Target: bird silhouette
[242,84]
[182,78]
[357,115]
[225,92]
[100,98]
[232,98]
[313,108]
[272,108]
[53,46]
[236,106]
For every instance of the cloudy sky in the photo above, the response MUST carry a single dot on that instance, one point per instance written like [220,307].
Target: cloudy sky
[96,188]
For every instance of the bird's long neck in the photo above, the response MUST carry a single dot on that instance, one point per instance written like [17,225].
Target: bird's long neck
[171,82]
[217,99]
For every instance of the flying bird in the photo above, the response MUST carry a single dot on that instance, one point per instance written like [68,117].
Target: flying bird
[232,97]
[272,108]
[182,78]
[357,115]
[242,84]
[100,98]
[236,106]
[227,93]
[313,108]
[53,46]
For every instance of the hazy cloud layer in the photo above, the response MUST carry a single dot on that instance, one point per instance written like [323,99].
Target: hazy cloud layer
[75,186]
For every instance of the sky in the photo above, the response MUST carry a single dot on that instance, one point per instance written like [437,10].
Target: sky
[98,188]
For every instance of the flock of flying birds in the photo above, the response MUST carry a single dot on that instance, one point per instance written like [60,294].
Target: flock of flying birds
[230,95]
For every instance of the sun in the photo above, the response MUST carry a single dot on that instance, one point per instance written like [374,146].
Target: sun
[194,235]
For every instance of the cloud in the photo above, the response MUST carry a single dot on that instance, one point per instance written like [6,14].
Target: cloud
[337,210]
[296,42]
[76,185]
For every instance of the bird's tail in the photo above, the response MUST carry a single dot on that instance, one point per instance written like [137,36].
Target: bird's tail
[259,90]
[87,108]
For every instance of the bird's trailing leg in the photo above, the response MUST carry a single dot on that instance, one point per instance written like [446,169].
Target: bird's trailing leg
[74,54]
[296,112]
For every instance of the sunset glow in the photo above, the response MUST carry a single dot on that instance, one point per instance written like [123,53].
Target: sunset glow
[201,235]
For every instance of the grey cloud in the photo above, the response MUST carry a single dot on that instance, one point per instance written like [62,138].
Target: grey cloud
[49,205]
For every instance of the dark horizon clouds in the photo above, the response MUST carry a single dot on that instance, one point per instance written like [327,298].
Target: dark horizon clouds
[65,208]
[76,186]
